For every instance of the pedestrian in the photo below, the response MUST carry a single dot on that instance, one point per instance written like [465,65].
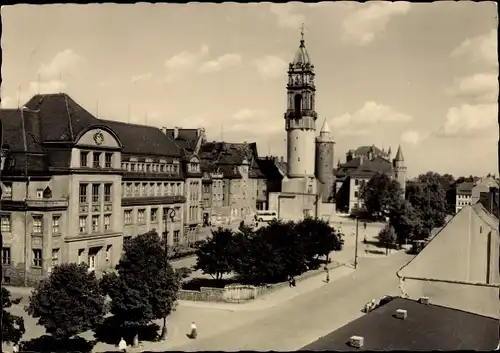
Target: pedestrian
[328,277]
[122,345]
[15,348]
[290,281]
[194,330]
[293,282]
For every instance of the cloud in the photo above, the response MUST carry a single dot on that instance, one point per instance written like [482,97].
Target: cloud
[477,88]
[142,77]
[179,63]
[245,120]
[367,20]
[222,62]
[481,49]
[287,15]
[470,120]
[63,64]
[412,137]
[370,114]
[271,66]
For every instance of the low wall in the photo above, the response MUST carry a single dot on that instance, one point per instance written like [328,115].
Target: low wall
[240,293]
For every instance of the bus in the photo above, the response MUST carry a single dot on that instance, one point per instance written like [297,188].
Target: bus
[266,216]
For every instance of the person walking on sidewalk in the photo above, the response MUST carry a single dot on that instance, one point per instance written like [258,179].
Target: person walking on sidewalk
[122,345]
[327,280]
[194,331]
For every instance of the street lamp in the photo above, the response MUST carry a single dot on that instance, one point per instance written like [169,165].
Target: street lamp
[169,213]
[357,234]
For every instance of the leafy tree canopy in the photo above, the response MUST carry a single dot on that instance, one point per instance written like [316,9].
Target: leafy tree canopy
[216,256]
[387,236]
[12,325]
[380,195]
[406,222]
[429,201]
[320,238]
[68,302]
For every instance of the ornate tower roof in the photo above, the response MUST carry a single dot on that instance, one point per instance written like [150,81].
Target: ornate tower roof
[301,56]
[325,134]
[325,128]
[399,155]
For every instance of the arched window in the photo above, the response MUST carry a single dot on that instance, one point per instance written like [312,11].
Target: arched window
[298,103]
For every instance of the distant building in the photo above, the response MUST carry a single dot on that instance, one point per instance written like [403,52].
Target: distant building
[360,166]
[463,195]
[469,193]
[274,170]
[236,180]
[75,186]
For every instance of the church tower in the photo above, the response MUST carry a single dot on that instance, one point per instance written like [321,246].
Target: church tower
[300,116]
[400,169]
[324,162]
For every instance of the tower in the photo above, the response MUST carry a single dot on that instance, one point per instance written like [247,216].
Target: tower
[300,116]
[324,161]
[400,169]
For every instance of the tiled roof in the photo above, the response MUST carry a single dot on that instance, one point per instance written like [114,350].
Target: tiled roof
[143,140]
[270,168]
[23,140]
[370,167]
[228,155]
[186,138]
[465,187]
[62,119]
[427,327]
[364,150]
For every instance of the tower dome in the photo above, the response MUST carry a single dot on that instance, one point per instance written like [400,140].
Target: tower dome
[301,56]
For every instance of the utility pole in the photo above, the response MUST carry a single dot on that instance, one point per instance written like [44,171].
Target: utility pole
[1,241]
[169,213]
[357,234]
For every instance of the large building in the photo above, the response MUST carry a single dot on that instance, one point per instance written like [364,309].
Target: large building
[362,164]
[469,193]
[306,188]
[75,186]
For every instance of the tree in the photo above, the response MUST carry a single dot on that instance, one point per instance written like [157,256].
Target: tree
[216,256]
[380,195]
[405,221]
[144,286]
[319,238]
[68,302]
[12,325]
[387,237]
[429,200]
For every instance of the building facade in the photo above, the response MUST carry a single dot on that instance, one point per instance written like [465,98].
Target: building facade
[74,187]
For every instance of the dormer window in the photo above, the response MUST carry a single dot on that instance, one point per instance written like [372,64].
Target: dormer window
[84,159]
[96,160]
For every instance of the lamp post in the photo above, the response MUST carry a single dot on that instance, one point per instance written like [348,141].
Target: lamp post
[169,213]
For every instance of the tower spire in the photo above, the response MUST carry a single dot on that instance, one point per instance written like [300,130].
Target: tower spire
[302,35]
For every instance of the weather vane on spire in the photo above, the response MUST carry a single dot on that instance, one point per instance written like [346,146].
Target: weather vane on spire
[302,32]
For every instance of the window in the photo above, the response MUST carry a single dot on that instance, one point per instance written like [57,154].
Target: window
[176,237]
[6,223]
[356,182]
[80,255]
[136,189]
[95,224]
[83,224]
[37,224]
[127,216]
[107,192]
[108,252]
[7,191]
[107,222]
[154,214]
[83,193]
[55,224]
[55,257]
[37,257]
[92,258]
[6,259]
[141,216]
[108,160]
[39,194]
[355,194]
[95,193]
[96,160]
[132,167]
[84,157]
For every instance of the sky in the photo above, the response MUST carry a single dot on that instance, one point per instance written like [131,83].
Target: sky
[420,75]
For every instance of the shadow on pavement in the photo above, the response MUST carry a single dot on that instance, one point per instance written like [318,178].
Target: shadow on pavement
[46,344]
[110,331]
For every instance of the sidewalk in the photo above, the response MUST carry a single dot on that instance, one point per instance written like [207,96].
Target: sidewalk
[276,297]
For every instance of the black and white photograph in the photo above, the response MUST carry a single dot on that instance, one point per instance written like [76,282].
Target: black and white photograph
[250,176]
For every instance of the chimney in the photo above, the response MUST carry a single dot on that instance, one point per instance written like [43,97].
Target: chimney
[356,341]
[164,129]
[176,132]
[424,300]
[401,314]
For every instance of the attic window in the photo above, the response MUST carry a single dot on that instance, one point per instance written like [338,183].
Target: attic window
[480,229]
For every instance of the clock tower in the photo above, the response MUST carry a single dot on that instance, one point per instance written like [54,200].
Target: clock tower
[300,116]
